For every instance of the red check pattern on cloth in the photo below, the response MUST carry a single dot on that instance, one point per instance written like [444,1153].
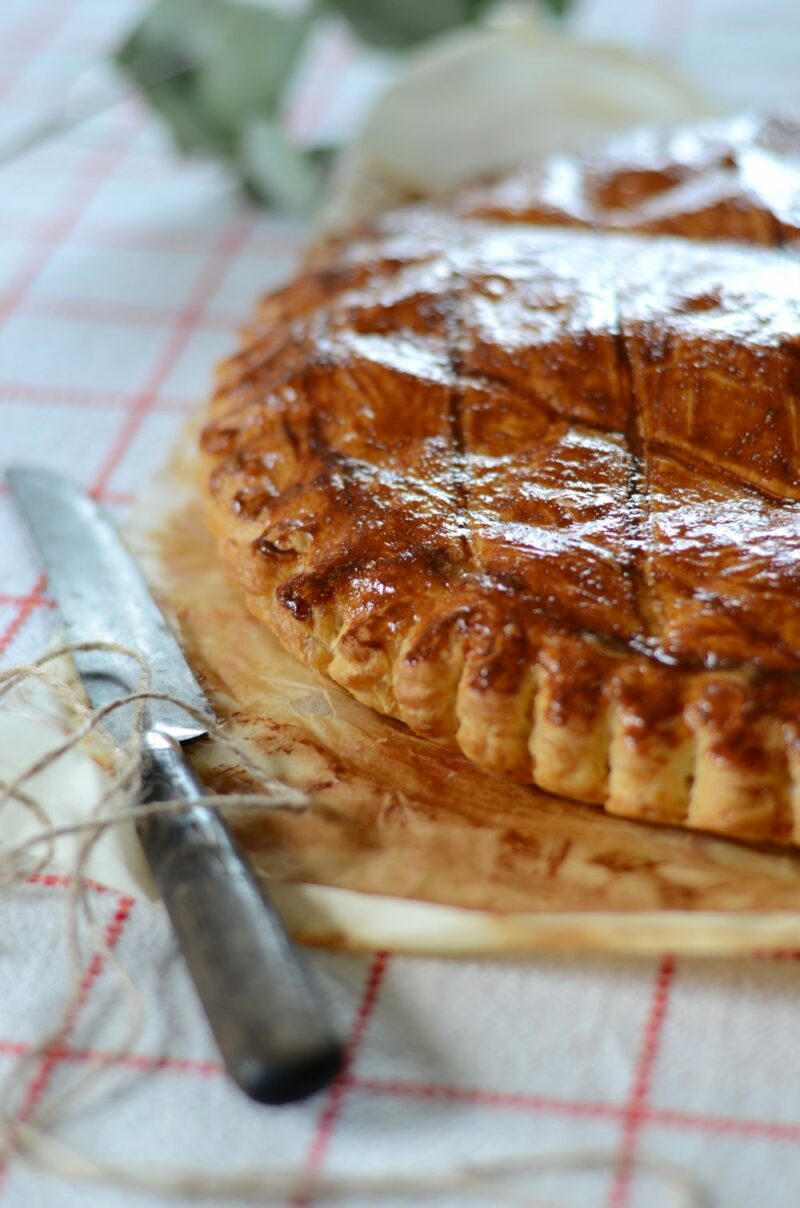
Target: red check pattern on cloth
[123,275]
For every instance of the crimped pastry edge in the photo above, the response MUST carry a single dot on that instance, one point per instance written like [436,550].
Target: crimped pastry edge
[723,754]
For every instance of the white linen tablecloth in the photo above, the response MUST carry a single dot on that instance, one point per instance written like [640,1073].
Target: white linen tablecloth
[123,275]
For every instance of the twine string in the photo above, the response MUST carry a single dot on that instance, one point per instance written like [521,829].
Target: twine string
[34,1140]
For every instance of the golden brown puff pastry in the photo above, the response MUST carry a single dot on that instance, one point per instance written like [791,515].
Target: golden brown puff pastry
[523,471]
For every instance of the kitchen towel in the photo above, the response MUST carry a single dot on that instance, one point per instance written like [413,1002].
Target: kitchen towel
[124,274]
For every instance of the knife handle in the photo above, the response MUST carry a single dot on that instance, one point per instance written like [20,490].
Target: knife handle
[257,991]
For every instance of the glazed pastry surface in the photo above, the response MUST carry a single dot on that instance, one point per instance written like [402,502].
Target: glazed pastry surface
[523,471]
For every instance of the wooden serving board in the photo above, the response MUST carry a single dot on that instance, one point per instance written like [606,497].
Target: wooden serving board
[408,846]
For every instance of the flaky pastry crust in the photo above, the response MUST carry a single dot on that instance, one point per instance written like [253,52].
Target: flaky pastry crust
[522,471]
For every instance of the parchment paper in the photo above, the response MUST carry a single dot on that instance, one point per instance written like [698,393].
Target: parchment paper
[408,845]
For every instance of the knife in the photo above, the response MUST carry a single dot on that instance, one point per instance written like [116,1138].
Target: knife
[262,1003]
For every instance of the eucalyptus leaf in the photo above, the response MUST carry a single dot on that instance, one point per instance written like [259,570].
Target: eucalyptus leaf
[177,104]
[172,31]
[276,171]
[253,56]
[210,66]
[559,8]
[161,54]
[399,23]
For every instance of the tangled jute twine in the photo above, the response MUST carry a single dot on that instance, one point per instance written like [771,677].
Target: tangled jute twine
[34,1141]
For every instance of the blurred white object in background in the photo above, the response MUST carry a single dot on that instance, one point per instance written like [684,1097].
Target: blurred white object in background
[479,101]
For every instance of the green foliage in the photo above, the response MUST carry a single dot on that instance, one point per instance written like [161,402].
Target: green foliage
[272,168]
[217,71]
[558,8]
[401,23]
[211,66]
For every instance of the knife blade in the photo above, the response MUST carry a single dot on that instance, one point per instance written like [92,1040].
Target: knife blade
[263,1005]
[102,597]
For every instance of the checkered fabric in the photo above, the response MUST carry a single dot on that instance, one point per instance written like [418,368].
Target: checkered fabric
[123,274]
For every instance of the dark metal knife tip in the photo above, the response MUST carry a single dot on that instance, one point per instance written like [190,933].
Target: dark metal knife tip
[275,1084]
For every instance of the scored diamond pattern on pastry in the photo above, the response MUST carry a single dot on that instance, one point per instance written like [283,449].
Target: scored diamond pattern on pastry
[521,470]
